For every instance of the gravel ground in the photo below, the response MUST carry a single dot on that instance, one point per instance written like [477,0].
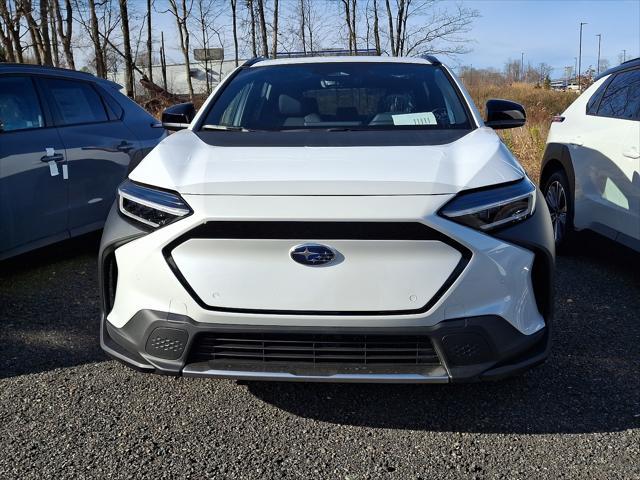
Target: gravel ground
[66,411]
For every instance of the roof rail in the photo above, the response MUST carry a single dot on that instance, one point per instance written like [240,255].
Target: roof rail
[253,61]
[330,52]
[47,67]
[432,59]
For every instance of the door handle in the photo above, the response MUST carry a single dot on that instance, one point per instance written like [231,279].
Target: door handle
[125,147]
[57,157]
[632,152]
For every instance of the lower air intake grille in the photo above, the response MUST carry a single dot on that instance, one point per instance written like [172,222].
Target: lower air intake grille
[110,272]
[313,349]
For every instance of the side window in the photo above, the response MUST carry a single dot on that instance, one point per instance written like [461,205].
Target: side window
[594,101]
[622,97]
[76,102]
[114,110]
[232,116]
[19,105]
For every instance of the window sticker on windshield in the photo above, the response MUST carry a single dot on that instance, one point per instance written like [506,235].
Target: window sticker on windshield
[421,118]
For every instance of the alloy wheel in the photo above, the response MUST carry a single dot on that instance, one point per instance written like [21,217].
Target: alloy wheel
[556,198]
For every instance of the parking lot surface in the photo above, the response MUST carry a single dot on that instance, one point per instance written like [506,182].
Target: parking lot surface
[67,411]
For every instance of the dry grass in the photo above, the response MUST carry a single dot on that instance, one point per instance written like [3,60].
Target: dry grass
[527,143]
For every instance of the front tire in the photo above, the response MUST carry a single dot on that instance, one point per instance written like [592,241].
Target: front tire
[559,198]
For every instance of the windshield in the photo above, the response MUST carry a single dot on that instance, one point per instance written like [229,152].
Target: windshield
[339,96]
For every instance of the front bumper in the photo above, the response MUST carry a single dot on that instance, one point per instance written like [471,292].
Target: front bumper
[466,349]
[495,313]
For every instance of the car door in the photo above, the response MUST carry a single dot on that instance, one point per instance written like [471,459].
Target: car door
[99,148]
[33,193]
[607,163]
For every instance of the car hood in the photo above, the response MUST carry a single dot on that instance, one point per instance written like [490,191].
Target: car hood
[184,163]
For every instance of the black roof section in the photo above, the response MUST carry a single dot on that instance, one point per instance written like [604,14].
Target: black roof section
[634,62]
[28,68]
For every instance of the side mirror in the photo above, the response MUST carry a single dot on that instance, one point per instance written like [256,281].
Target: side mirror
[178,117]
[504,114]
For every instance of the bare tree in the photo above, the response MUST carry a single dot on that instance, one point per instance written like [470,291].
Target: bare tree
[99,19]
[234,20]
[7,37]
[274,41]
[128,59]
[47,55]
[350,14]
[205,23]
[263,28]
[181,12]
[304,24]
[512,70]
[392,38]
[55,50]
[376,28]
[303,33]
[252,18]
[419,27]
[39,31]
[64,29]
[94,34]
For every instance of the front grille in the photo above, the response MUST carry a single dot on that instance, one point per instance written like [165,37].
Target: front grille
[313,349]
[316,231]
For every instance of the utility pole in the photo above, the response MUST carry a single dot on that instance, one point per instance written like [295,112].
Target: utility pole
[580,58]
[522,67]
[599,40]
[624,56]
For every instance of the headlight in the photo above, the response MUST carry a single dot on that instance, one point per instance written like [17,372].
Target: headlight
[486,209]
[150,206]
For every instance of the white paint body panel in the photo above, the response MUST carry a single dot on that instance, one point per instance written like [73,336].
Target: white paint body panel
[607,177]
[378,184]
[496,281]
[186,164]
[366,275]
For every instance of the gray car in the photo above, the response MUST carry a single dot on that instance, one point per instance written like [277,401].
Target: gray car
[67,139]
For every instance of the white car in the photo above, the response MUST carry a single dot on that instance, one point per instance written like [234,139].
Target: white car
[331,219]
[591,166]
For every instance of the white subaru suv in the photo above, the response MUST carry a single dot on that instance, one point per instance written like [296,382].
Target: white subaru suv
[331,219]
[591,166]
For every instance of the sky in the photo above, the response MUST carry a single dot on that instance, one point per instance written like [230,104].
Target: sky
[545,30]
[549,30]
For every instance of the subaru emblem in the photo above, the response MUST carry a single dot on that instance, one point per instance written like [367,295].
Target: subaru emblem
[312,254]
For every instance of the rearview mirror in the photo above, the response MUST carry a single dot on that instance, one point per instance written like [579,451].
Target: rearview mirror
[178,117]
[504,114]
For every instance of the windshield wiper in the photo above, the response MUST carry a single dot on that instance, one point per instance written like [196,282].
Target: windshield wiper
[347,129]
[226,128]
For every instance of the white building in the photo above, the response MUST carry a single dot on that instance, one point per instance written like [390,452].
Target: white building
[177,77]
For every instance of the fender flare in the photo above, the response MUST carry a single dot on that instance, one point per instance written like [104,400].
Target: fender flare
[557,155]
